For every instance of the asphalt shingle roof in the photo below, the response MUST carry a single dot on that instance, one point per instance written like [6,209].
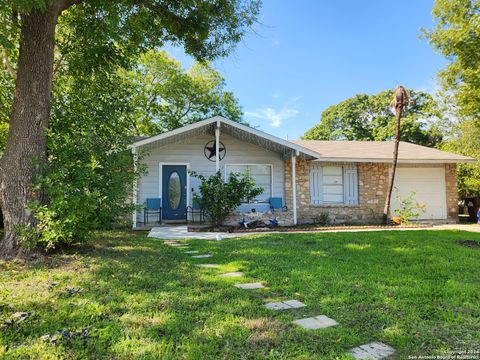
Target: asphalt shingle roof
[377,151]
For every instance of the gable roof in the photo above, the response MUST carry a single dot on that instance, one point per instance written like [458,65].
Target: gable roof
[241,131]
[319,150]
[378,151]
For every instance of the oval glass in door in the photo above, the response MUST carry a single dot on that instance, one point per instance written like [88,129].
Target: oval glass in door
[174,190]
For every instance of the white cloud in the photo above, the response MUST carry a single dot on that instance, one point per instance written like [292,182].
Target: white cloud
[276,42]
[274,117]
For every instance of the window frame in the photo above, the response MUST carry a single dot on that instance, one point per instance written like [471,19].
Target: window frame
[317,195]
[271,179]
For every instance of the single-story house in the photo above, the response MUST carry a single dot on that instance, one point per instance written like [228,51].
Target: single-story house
[346,179]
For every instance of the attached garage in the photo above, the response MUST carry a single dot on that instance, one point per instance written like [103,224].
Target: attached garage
[428,183]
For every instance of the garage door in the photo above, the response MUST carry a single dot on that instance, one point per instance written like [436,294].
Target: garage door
[429,186]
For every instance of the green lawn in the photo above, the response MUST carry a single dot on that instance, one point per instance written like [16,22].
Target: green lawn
[418,291]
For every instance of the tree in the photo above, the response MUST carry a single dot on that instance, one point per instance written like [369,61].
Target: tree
[89,168]
[166,97]
[456,36]
[369,117]
[110,32]
[466,141]
[400,100]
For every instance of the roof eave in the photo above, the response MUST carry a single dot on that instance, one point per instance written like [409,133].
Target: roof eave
[286,143]
[400,161]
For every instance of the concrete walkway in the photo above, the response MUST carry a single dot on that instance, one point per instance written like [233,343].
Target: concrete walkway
[462,227]
[181,232]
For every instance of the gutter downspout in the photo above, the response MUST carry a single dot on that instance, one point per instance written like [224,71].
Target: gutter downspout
[217,146]
[294,187]
[134,192]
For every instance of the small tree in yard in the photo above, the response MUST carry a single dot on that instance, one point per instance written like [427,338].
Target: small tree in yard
[409,208]
[220,198]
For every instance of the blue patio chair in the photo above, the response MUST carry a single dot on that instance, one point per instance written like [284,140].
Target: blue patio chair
[277,203]
[153,206]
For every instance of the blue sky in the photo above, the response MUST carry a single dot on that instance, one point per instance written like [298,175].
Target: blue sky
[304,56]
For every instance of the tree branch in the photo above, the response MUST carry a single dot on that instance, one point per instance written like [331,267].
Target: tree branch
[160,10]
[63,5]
[7,65]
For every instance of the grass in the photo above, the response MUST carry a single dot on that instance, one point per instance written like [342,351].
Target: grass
[133,297]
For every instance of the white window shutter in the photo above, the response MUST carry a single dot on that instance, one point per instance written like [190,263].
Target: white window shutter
[316,180]
[351,185]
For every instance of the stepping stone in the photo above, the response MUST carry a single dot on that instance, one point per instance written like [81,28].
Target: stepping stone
[231,274]
[374,350]
[201,256]
[191,252]
[317,322]
[294,304]
[249,286]
[277,306]
[176,245]
[183,247]
[209,266]
[290,304]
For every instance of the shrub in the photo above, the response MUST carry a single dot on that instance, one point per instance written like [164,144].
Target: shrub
[409,208]
[322,219]
[219,198]
[89,170]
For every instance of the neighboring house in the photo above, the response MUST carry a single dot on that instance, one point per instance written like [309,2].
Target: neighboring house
[346,179]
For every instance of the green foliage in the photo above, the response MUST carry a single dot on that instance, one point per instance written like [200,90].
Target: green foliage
[7,86]
[90,170]
[456,36]
[466,141]
[166,97]
[368,117]
[60,223]
[113,32]
[323,218]
[3,136]
[218,198]
[409,208]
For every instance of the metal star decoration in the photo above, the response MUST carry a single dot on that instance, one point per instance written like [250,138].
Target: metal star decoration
[210,150]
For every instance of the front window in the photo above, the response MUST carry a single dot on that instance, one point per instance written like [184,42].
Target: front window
[334,185]
[261,174]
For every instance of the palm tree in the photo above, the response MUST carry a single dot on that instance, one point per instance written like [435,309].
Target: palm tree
[400,99]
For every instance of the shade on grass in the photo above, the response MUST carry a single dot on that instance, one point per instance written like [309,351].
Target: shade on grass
[417,291]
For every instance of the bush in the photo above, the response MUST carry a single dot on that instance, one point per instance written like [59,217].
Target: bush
[409,208]
[89,171]
[323,219]
[219,199]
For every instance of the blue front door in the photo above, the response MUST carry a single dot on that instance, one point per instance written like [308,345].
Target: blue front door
[174,192]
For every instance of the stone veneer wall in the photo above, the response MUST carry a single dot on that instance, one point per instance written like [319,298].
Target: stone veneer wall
[284,218]
[373,184]
[452,192]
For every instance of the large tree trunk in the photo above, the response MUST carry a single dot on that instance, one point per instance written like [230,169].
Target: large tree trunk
[26,146]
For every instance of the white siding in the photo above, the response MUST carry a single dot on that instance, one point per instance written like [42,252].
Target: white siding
[191,152]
